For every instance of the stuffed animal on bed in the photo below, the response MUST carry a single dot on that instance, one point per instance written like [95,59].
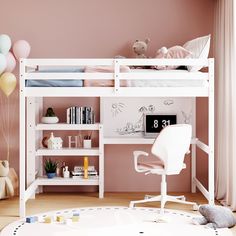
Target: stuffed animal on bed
[215,217]
[140,48]
[174,52]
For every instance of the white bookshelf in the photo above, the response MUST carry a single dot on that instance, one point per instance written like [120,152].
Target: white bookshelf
[35,129]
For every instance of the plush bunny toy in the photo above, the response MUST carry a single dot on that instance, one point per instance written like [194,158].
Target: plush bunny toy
[215,217]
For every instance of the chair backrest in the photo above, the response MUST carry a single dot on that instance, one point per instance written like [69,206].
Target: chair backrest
[171,145]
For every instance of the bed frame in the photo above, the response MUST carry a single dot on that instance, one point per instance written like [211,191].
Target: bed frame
[29,95]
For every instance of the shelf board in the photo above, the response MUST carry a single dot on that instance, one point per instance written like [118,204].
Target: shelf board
[68,152]
[67,181]
[65,126]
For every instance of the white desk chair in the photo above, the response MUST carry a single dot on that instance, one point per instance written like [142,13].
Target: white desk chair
[170,147]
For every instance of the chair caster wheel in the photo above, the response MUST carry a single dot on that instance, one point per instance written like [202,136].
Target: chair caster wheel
[195,207]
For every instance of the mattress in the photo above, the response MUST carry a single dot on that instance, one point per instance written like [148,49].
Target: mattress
[57,82]
[172,82]
[54,83]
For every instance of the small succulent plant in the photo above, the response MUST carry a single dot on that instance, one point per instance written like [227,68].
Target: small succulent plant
[50,112]
[50,166]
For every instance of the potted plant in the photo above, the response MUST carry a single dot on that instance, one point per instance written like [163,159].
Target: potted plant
[50,168]
[50,117]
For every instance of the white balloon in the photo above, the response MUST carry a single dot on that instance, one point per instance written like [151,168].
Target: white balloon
[3,63]
[5,43]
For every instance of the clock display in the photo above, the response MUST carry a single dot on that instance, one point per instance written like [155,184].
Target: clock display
[155,123]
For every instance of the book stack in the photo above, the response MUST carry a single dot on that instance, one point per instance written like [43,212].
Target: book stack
[80,115]
[79,172]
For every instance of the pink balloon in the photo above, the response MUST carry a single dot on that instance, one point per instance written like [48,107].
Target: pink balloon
[21,49]
[11,62]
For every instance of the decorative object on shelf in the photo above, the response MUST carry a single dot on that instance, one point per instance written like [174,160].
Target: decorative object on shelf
[86,164]
[63,165]
[50,117]
[58,171]
[45,142]
[54,142]
[66,172]
[73,142]
[50,168]
[87,140]
[87,143]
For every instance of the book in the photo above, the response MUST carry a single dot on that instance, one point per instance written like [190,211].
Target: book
[81,168]
[80,115]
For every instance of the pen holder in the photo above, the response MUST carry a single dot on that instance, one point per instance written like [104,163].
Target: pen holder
[87,143]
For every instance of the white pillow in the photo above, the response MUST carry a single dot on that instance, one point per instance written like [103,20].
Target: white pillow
[199,48]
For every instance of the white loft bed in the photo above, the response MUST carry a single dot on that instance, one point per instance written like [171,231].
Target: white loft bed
[181,87]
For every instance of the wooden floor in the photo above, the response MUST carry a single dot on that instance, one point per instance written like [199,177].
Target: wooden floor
[47,202]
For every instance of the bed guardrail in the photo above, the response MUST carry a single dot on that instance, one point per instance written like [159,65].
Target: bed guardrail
[115,74]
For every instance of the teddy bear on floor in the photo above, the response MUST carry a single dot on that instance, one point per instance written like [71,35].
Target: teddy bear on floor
[6,187]
[215,217]
[4,168]
[140,48]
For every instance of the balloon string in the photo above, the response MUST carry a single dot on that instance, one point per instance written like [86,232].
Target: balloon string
[8,130]
[3,124]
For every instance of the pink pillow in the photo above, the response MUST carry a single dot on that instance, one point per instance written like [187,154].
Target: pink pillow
[173,52]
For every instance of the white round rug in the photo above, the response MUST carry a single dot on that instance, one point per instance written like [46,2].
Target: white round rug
[113,221]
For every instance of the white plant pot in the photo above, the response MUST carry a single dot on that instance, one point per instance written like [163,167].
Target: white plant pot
[49,120]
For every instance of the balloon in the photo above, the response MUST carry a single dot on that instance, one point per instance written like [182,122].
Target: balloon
[21,49]
[5,44]
[11,62]
[7,83]
[3,63]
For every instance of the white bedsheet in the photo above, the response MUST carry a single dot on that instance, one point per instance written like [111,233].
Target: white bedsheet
[172,82]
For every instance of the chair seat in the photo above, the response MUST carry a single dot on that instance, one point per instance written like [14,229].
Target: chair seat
[153,166]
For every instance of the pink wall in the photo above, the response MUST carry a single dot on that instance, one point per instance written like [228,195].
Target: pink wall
[93,29]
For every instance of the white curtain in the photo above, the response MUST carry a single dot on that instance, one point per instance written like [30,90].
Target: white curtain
[225,94]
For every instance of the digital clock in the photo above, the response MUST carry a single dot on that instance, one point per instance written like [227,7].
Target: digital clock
[154,123]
